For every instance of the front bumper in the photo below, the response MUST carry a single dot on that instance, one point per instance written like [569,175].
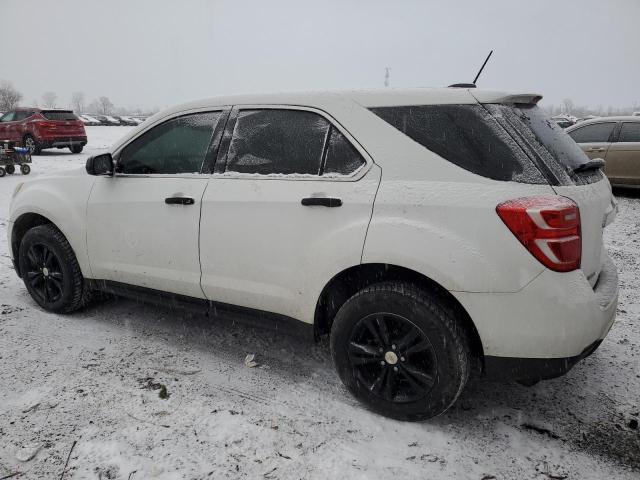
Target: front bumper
[545,328]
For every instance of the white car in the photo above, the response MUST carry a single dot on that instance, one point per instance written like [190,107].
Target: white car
[432,233]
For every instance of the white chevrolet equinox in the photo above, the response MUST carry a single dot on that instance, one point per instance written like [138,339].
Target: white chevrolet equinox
[432,233]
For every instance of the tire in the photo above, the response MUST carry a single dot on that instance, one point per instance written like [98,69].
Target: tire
[25,169]
[76,148]
[10,169]
[2,172]
[50,270]
[32,144]
[419,370]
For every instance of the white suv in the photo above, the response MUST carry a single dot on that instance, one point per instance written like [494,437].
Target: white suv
[431,233]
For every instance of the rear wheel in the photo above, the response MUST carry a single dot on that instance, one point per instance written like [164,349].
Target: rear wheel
[400,351]
[50,270]
[10,169]
[25,169]
[2,172]
[76,148]
[32,144]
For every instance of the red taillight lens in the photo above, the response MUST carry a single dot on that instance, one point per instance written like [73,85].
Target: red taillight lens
[549,227]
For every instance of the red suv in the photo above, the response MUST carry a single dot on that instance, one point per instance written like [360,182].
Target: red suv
[37,129]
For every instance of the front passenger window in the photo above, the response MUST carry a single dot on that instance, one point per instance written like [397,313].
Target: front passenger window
[176,146]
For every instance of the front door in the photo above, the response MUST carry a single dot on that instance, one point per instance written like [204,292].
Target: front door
[287,209]
[8,127]
[143,222]
[594,138]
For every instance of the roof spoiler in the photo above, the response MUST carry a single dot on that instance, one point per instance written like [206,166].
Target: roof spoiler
[484,96]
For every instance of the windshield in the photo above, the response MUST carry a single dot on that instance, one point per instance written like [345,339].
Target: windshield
[552,148]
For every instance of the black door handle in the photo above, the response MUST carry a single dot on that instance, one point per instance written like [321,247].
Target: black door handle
[322,201]
[179,201]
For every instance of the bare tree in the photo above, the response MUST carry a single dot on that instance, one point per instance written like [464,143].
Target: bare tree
[9,96]
[105,105]
[568,105]
[77,102]
[49,99]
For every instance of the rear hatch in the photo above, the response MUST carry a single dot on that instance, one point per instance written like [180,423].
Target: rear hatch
[63,123]
[569,172]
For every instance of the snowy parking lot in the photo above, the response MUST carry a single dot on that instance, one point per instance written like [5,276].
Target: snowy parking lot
[124,390]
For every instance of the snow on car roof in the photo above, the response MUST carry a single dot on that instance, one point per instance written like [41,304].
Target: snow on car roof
[366,98]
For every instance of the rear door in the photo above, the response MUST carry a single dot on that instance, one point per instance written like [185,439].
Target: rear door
[287,209]
[623,156]
[594,138]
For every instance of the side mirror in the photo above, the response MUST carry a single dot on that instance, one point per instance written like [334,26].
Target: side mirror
[100,165]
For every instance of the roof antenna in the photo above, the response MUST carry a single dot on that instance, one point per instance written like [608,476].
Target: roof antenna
[475,80]
[473,85]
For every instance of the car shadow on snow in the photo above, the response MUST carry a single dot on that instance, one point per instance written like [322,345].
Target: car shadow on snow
[572,410]
[626,192]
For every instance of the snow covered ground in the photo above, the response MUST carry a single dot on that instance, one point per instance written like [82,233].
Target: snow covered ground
[130,391]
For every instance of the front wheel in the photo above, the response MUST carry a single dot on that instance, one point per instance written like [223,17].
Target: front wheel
[76,148]
[25,169]
[2,172]
[10,169]
[50,270]
[400,351]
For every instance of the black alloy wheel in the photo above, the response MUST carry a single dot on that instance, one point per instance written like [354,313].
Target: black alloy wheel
[44,273]
[392,357]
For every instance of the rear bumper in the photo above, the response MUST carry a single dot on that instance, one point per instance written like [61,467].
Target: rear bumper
[548,326]
[531,370]
[61,142]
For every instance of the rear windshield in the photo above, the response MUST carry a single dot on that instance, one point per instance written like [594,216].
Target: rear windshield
[553,150]
[58,115]
[467,136]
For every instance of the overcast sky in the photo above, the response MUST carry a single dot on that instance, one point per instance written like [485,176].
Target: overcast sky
[154,53]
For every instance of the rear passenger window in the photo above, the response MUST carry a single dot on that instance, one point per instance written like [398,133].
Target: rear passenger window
[273,141]
[467,136]
[630,132]
[594,133]
[342,157]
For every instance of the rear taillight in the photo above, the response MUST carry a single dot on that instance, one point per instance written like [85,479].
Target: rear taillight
[45,124]
[549,227]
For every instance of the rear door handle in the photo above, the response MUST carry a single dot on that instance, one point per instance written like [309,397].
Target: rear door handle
[322,201]
[179,201]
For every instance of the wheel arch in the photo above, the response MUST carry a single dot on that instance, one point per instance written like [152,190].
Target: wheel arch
[349,281]
[21,226]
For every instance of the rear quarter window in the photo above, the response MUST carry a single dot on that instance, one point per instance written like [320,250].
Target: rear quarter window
[467,136]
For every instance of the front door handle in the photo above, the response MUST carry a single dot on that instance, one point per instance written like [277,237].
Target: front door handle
[179,201]
[595,149]
[322,201]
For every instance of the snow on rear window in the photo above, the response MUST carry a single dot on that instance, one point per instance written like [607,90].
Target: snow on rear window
[58,115]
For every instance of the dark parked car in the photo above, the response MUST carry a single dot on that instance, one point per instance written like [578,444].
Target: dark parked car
[38,129]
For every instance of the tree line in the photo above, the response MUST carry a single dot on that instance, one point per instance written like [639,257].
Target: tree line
[11,98]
